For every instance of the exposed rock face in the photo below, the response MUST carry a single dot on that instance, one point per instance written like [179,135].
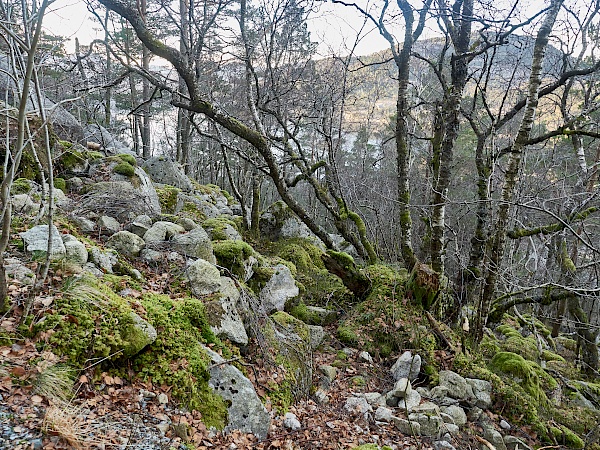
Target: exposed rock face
[121,199]
[246,412]
[204,278]
[108,225]
[279,289]
[167,171]
[430,425]
[127,243]
[457,385]
[36,240]
[105,260]
[100,135]
[482,392]
[223,315]
[161,231]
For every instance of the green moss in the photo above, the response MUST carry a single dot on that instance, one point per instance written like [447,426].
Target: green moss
[217,227]
[167,196]
[129,159]
[310,317]
[347,335]
[233,255]
[124,168]
[90,321]
[70,158]
[60,183]
[177,359]
[367,447]
[530,374]
[20,186]
[566,437]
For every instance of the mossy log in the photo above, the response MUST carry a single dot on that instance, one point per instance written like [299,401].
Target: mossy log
[342,265]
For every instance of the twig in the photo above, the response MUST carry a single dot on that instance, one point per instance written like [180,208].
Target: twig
[486,442]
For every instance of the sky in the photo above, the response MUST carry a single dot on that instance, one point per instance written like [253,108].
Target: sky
[70,18]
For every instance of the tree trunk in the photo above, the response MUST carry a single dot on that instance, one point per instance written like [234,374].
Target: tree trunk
[513,171]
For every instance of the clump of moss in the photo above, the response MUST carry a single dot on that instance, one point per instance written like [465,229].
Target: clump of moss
[129,159]
[217,226]
[233,255]
[70,158]
[167,196]
[90,321]
[124,168]
[566,437]
[20,186]
[60,183]
[177,359]
[310,317]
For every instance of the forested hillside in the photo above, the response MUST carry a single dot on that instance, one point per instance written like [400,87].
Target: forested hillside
[217,232]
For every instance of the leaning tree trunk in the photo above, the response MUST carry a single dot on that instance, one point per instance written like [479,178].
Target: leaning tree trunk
[496,248]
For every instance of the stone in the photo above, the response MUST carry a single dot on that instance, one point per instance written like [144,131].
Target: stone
[36,241]
[430,424]
[316,334]
[410,402]
[328,372]
[373,398]
[459,417]
[457,385]
[194,244]
[100,135]
[140,225]
[162,231]
[75,184]
[204,277]
[482,392]
[408,427]
[357,405]
[187,223]
[17,270]
[105,260]
[92,269]
[24,205]
[406,366]
[423,391]
[108,225]
[505,425]
[474,414]
[341,245]
[75,251]
[225,231]
[126,243]
[365,357]
[223,316]
[122,199]
[151,256]
[280,288]
[494,437]
[401,388]
[427,408]
[452,428]
[166,171]
[320,316]
[245,412]
[383,414]
[443,445]
[291,422]
[321,397]
[514,443]
[140,334]
[438,392]
[84,224]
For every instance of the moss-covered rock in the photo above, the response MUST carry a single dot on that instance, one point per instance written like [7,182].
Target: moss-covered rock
[221,228]
[167,196]
[129,159]
[21,186]
[125,169]
[234,256]
[566,437]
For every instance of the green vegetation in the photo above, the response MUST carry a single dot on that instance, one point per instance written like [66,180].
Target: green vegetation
[167,196]
[217,227]
[60,183]
[20,186]
[233,255]
[124,168]
[129,159]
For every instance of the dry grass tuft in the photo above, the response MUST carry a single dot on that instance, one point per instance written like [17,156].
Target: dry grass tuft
[64,421]
[55,383]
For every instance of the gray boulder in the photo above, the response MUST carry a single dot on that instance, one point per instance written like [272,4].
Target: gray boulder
[195,244]
[161,231]
[406,366]
[443,445]
[458,415]
[457,385]
[410,402]
[358,405]
[126,243]
[514,443]
[291,422]
[223,316]
[140,225]
[187,223]
[494,437]
[401,388]
[482,392]
[104,259]
[17,270]
[85,225]
[75,251]
[166,171]
[204,277]
[408,427]
[430,424]
[108,225]
[36,240]
[280,288]
[245,412]
[24,205]
[98,134]
[122,199]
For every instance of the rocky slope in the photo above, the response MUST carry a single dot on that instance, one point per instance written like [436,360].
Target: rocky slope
[161,327]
